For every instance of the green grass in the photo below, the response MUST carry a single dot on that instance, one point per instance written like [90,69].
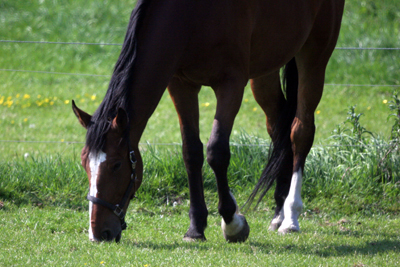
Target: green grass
[58,237]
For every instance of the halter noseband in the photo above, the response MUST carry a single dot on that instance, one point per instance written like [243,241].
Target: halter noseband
[118,208]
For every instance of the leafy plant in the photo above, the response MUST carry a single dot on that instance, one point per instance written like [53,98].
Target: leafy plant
[394,106]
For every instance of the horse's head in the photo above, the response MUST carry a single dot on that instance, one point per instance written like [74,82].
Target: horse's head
[112,177]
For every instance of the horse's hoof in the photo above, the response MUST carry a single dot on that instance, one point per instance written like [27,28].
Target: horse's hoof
[274,226]
[288,229]
[276,222]
[191,237]
[237,231]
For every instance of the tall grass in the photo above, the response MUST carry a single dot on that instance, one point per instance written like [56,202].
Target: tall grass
[356,172]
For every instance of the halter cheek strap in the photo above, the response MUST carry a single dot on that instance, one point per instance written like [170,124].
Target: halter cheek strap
[118,208]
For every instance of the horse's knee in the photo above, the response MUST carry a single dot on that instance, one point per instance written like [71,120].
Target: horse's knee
[218,154]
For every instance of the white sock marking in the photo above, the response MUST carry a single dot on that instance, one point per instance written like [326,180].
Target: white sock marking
[234,227]
[293,204]
[94,162]
[236,224]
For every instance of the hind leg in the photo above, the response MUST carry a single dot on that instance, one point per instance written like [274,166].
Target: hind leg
[268,94]
[311,83]
[185,98]
[311,63]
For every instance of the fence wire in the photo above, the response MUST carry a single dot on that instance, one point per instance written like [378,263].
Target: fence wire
[109,76]
[54,72]
[118,44]
[172,144]
[178,144]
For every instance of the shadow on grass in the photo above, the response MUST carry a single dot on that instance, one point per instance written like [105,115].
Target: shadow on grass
[369,248]
[195,245]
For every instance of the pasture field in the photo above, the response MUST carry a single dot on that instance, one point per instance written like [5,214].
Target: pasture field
[351,189]
[58,237]
[350,217]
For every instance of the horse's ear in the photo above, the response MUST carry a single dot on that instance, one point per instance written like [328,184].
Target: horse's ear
[82,116]
[121,121]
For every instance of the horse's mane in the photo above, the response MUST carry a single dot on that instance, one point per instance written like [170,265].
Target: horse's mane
[117,95]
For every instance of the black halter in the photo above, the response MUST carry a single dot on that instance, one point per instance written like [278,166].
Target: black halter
[118,208]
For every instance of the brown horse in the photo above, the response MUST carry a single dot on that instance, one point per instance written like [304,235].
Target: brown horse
[183,45]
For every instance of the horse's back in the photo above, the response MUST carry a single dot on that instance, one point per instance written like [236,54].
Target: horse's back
[256,37]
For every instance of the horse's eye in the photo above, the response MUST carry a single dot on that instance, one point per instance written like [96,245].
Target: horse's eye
[116,166]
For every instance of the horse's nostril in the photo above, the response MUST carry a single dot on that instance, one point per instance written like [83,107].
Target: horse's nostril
[106,235]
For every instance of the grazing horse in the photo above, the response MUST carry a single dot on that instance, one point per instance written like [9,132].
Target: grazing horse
[182,45]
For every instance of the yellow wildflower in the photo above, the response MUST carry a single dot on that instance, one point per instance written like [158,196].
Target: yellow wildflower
[12,122]
[254,109]
[9,103]
[18,95]
[318,111]
[368,108]
[62,140]
[93,97]
[246,100]
[384,101]
[1,100]
[26,96]
[206,104]
[39,96]
[66,102]
[51,103]
[26,119]
[46,100]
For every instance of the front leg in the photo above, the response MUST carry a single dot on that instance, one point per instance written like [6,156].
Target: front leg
[185,98]
[229,97]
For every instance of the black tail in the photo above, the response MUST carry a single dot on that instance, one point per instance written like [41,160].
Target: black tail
[281,157]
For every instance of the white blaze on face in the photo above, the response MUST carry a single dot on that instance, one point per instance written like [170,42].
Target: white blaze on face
[94,162]
[293,204]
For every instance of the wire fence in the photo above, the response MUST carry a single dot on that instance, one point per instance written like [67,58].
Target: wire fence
[179,144]
[109,76]
[170,144]
[118,44]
